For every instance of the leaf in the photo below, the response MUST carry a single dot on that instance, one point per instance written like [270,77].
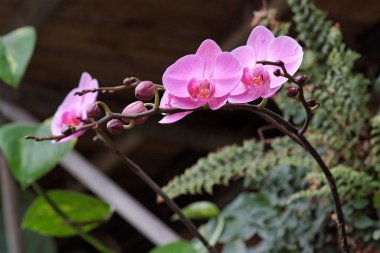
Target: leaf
[376,200]
[29,160]
[361,221]
[360,203]
[199,210]
[80,208]
[175,247]
[16,49]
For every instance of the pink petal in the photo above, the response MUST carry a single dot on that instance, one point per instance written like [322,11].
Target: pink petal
[216,103]
[208,50]
[86,82]
[166,99]
[176,76]
[260,39]
[70,103]
[246,56]
[269,92]
[287,50]
[227,74]
[186,103]
[173,117]
[248,96]
[239,89]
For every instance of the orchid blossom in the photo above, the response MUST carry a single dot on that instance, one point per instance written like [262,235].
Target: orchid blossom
[72,111]
[206,77]
[258,80]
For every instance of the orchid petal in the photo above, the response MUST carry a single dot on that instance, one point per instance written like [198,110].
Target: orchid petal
[227,74]
[288,51]
[269,92]
[260,39]
[248,96]
[168,119]
[186,103]
[216,103]
[86,82]
[208,50]
[239,89]
[166,99]
[176,76]
[245,55]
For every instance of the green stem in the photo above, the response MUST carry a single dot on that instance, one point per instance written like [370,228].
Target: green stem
[83,234]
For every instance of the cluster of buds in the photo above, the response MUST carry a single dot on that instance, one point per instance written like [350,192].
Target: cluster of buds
[144,91]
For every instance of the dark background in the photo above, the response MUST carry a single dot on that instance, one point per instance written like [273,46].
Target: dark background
[115,39]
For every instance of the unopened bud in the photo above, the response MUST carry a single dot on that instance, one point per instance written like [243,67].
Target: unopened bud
[93,111]
[311,102]
[301,79]
[128,81]
[292,92]
[145,90]
[115,126]
[277,72]
[134,108]
[67,130]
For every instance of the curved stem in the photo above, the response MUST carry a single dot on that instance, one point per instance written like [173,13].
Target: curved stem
[309,113]
[305,144]
[157,189]
[334,191]
[83,234]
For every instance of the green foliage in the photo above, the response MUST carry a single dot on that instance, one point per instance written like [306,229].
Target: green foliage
[175,247]
[30,160]
[16,49]
[374,157]
[294,213]
[83,209]
[234,161]
[199,210]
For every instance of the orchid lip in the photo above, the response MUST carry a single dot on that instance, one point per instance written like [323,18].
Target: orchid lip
[255,77]
[200,89]
[70,118]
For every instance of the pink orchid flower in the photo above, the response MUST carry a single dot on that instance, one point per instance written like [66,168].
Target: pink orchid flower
[206,77]
[166,103]
[258,80]
[73,108]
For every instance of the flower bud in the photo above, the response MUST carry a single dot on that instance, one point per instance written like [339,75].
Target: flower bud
[292,92]
[145,90]
[311,102]
[115,126]
[128,81]
[134,108]
[301,79]
[67,130]
[277,72]
[93,111]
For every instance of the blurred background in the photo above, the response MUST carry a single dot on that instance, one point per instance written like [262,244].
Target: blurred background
[116,39]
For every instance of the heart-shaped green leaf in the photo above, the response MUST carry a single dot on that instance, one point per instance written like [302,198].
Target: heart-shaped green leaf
[29,160]
[82,209]
[16,49]
[175,247]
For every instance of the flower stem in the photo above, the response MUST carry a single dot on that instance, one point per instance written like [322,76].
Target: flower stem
[83,234]
[157,189]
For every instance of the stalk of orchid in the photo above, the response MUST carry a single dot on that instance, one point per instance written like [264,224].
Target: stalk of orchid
[203,81]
